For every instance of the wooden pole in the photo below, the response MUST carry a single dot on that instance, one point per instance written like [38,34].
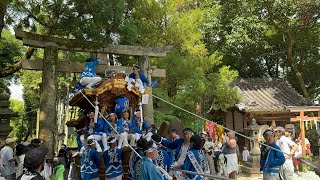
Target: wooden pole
[144,64]
[48,98]
[302,137]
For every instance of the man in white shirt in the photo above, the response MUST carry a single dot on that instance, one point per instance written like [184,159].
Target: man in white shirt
[288,147]
[7,159]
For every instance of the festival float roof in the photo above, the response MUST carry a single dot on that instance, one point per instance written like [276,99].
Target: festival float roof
[107,93]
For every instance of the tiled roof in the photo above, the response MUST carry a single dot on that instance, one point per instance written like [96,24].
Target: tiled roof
[267,94]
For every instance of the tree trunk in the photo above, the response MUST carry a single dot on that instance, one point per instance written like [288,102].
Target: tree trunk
[296,71]
[3,10]
[48,98]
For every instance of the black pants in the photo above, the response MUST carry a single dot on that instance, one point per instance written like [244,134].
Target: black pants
[216,158]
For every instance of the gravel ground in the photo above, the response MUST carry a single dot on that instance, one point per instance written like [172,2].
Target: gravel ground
[309,175]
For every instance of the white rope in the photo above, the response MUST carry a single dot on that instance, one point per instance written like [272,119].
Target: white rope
[111,125]
[219,125]
[189,172]
[202,174]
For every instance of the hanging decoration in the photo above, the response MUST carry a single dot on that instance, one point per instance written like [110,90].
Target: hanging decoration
[196,127]
[220,131]
[211,128]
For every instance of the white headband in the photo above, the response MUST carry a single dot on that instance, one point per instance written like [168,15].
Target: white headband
[154,146]
[112,141]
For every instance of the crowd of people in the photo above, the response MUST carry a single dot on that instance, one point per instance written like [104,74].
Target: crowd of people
[281,157]
[27,161]
[154,158]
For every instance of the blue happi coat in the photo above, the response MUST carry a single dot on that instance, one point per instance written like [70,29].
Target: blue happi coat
[90,162]
[108,130]
[143,78]
[136,129]
[176,144]
[134,158]
[200,159]
[145,169]
[99,126]
[163,160]
[274,160]
[89,70]
[112,161]
[122,125]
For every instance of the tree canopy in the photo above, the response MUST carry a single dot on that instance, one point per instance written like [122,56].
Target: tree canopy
[214,42]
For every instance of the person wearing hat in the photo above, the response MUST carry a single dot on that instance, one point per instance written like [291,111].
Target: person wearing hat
[89,77]
[163,158]
[270,159]
[90,162]
[124,124]
[288,147]
[181,147]
[138,126]
[139,77]
[112,160]
[145,169]
[8,160]
[195,160]
[34,162]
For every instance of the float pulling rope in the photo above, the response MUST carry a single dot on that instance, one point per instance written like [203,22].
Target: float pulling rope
[221,126]
[184,171]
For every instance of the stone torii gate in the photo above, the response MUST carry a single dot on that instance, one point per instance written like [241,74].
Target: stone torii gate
[51,66]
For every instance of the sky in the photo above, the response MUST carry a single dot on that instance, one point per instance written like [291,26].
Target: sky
[16,91]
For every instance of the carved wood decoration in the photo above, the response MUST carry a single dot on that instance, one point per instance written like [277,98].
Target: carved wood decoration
[107,92]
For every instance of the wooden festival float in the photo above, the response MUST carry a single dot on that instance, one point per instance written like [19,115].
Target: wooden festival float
[106,94]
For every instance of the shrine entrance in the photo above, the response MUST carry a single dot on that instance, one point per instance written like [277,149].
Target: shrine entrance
[50,66]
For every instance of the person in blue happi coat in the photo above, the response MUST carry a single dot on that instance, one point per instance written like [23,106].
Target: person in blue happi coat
[181,147]
[145,169]
[137,75]
[138,126]
[270,159]
[95,130]
[99,132]
[163,157]
[90,161]
[134,158]
[195,158]
[124,125]
[112,160]
[89,77]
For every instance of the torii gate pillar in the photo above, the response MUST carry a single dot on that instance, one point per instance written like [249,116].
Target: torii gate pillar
[145,67]
[48,97]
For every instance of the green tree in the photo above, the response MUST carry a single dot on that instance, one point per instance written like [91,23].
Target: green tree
[18,123]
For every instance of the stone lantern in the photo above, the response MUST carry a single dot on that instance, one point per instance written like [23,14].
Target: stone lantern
[5,114]
[252,166]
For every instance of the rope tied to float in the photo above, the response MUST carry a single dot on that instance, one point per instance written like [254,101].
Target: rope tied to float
[185,171]
[247,137]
